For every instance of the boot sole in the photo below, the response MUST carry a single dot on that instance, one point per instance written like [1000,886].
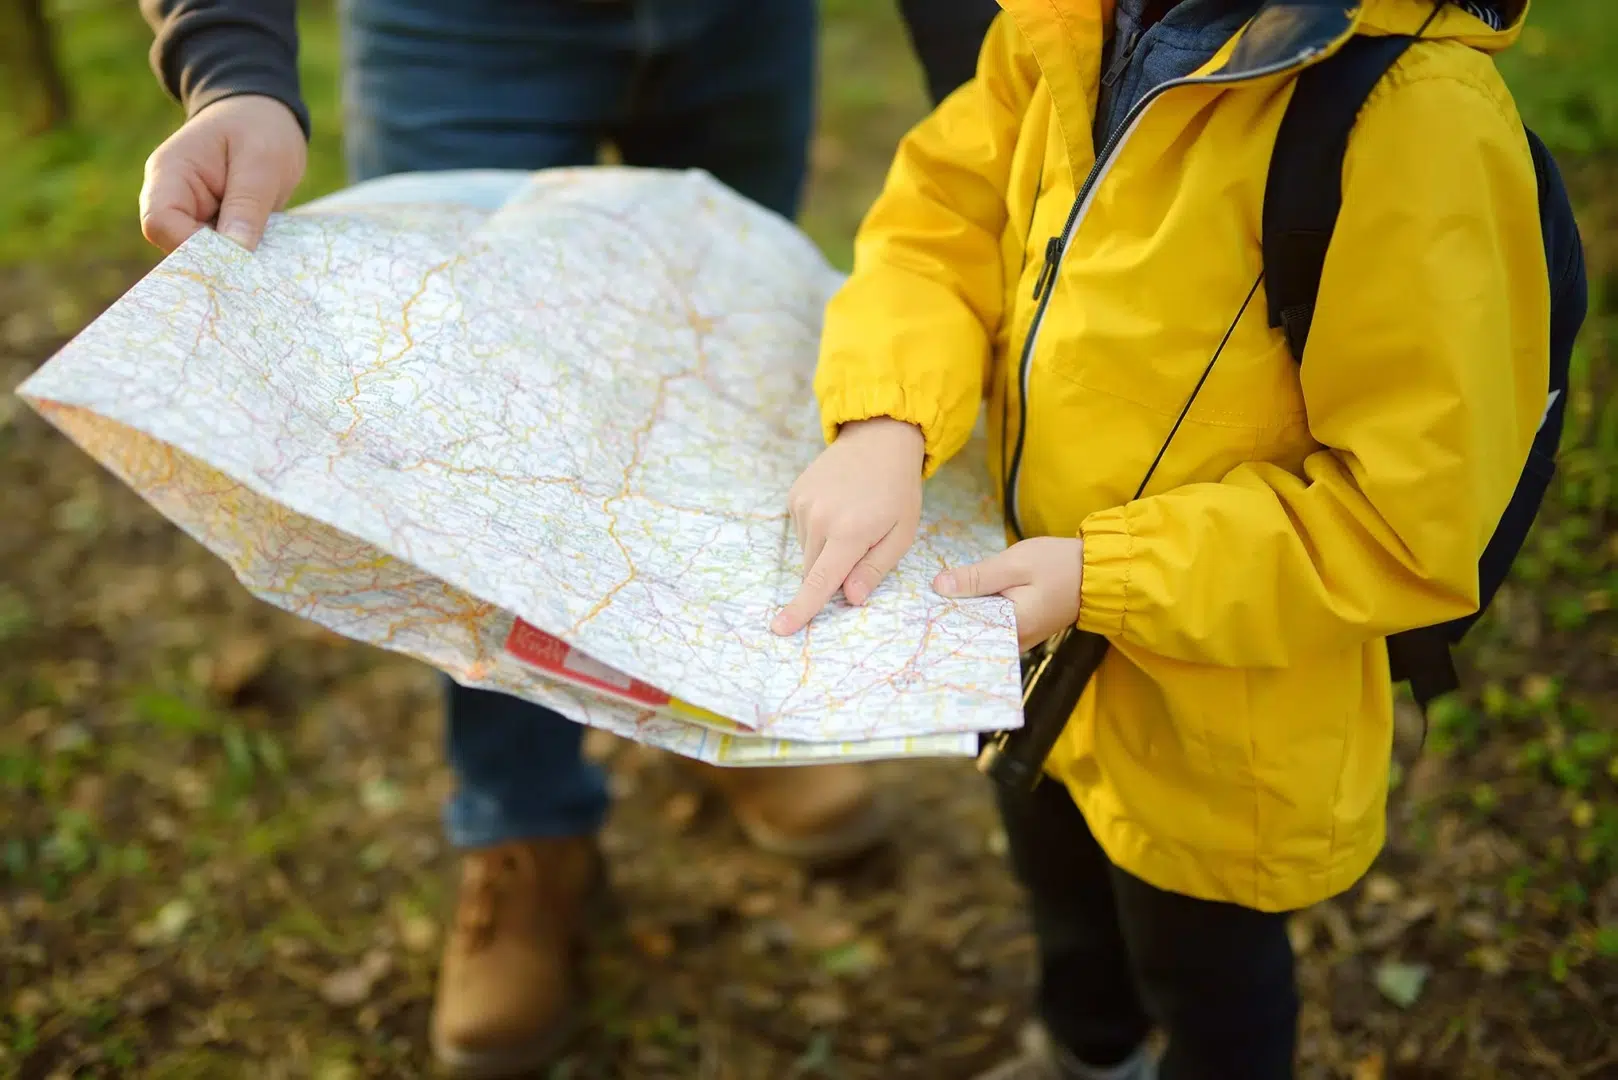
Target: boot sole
[506,1062]
[850,839]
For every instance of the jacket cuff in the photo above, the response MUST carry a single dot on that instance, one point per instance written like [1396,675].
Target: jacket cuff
[1104,589]
[847,405]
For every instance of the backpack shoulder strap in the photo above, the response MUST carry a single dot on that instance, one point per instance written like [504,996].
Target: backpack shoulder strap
[1304,191]
[1302,198]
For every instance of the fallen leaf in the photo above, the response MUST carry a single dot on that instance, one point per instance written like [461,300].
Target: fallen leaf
[1417,908]
[1337,925]
[167,925]
[993,1016]
[1401,983]
[1538,690]
[854,958]
[66,738]
[1479,925]
[336,1069]
[34,723]
[756,998]
[1490,959]
[1371,1067]
[1382,889]
[1301,932]
[351,986]
[380,796]
[825,934]
[821,1008]
[417,931]
[82,513]
[236,663]
[681,810]
[654,942]
[876,1047]
[757,905]
[190,584]
[290,948]
[30,1003]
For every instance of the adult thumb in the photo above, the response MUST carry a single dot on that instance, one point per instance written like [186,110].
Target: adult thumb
[250,194]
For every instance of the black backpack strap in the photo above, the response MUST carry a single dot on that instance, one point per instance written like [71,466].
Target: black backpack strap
[1423,657]
[1302,198]
[1304,191]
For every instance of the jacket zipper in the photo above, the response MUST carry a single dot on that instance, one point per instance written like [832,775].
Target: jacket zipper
[1005,404]
[1057,246]
[1121,58]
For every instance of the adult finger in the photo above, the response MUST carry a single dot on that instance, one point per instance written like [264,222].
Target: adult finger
[820,584]
[989,577]
[252,189]
[167,218]
[877,564]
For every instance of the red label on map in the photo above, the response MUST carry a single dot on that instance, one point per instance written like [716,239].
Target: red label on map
[532,645]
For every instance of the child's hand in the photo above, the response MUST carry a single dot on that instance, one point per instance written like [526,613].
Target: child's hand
[1041,577]
[856,509]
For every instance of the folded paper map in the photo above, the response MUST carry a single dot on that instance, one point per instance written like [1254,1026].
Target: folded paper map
[537,431]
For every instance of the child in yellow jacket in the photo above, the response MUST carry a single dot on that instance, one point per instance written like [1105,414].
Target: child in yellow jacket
[1072,235]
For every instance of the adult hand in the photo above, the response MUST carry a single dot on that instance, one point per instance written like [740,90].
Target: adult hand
[231,164]
[856,510]
[1042,577]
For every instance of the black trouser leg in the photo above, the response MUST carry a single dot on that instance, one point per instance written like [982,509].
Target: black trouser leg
[1217,978]
[1087,996]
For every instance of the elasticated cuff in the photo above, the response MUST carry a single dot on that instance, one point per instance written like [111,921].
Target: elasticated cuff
[1108,547]
[848,405]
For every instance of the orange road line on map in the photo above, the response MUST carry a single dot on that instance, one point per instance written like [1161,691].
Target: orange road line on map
[382,362]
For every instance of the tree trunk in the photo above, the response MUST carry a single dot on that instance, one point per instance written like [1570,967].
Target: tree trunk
[28,53]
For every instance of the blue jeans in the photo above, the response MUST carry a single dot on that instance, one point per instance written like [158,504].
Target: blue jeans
[722,85]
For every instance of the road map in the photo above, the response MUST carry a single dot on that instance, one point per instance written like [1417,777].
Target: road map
[536,430]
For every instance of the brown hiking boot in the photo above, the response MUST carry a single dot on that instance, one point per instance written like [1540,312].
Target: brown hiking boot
[507,988]
[815,813]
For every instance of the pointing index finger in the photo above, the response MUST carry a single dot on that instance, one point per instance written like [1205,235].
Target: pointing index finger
[820,584]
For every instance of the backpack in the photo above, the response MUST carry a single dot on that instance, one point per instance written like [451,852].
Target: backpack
[1302,199]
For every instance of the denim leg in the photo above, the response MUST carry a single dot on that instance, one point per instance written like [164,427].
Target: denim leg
[467,84]
[727,86]
[430,85]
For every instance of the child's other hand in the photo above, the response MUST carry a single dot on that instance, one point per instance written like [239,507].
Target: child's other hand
[856,510]
[1042,577]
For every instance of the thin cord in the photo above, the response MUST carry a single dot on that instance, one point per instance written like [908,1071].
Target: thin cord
[1198,388]
[1438,7]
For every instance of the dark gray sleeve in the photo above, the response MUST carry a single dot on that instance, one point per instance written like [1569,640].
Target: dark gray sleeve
[947,36]
[207,50]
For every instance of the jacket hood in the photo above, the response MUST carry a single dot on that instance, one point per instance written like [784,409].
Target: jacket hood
[1454,21]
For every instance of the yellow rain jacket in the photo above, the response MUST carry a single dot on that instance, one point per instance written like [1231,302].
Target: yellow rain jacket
[1235,743]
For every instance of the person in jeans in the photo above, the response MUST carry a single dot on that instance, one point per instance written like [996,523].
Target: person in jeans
[1075,235]
[724,85]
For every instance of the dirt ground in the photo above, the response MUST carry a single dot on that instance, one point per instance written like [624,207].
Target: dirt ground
[220,854]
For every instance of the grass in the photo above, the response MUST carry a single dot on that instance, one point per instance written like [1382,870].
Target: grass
[73,191]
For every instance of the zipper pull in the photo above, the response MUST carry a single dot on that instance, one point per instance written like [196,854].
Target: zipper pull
[1047,272]
[1120,59]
